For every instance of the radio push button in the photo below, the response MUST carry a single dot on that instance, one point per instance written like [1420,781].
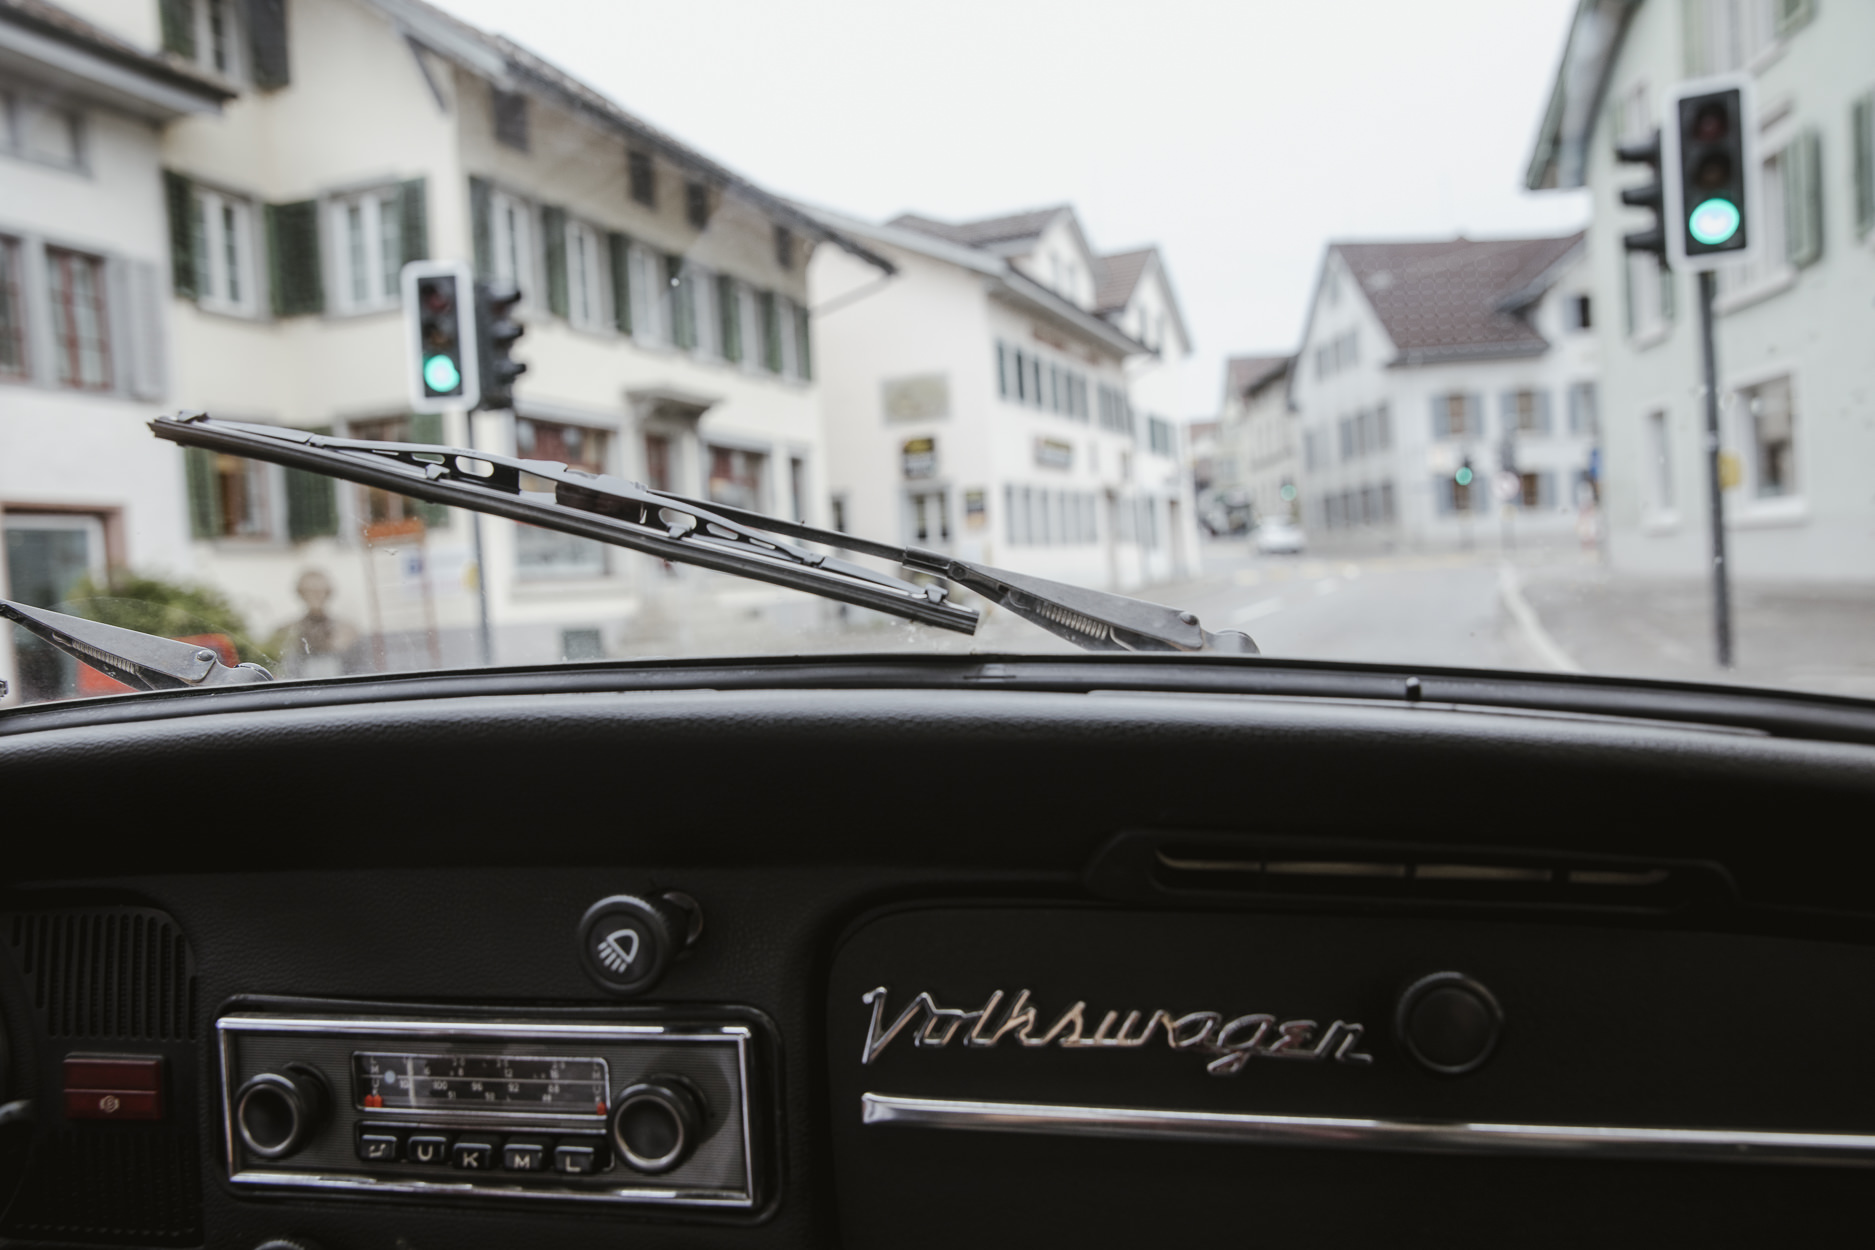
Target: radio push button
[473,1156]
[427,1149]
[378,1143]
[578,1156]
[524,1156]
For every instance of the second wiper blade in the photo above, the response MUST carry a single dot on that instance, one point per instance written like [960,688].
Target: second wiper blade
[589,505]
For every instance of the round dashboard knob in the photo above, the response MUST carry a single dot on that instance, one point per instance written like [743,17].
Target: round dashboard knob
[656,1123]
[627,941]
[276,1112]
[1449,1022]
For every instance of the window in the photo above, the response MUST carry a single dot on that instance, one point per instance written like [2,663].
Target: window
[797,488]
[1650,293]
[1580,313]
[1723,35]
[1584,410]
[511,232]
[217,38]
[38,130]
[224,253]
[1786,221]
[1160,435]
[1862,160]
[12,313]
[81,334]
[1770,421]
[784,247]
[737,477]
[586,303]
[1382,437]
[228,496]
[1453,497]
[1456,416]
[1526,412]
[770,311]
[930,516]
[1659,461]
[1387,513]
[680,313]
[544,553]
[803,343]
[697,204]
[650,312]
[643,183]
[367,231]
[658,461]
[511,119]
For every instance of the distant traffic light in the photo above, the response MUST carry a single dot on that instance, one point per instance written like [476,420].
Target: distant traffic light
[1464,474]
[496,332]
[1709,160]
[444,368]
[1649,195]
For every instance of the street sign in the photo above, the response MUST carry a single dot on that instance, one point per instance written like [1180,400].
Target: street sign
[1507,486]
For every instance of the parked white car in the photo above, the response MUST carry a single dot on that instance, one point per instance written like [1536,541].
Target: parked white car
[1279,537]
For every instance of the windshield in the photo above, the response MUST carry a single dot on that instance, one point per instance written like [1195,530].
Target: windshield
[1521,337]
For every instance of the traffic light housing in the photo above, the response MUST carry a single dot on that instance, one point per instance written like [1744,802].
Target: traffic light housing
[440,324]
[496,332]
[1649,195]
[1709,163]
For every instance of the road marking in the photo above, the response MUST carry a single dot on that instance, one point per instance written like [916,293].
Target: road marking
[1256,611]
[1510,586]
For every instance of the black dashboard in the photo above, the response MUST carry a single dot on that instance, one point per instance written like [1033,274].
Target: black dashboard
[899,952]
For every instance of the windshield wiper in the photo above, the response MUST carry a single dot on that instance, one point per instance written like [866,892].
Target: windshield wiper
[141,661]
[674,527]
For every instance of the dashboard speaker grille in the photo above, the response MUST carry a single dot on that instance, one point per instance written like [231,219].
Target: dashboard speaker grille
[111,1188]
[121,973]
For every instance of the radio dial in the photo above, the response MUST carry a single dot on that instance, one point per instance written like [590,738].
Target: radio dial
[656,1124]
[276,1112]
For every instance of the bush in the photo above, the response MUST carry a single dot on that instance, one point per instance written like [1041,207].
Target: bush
[170,609]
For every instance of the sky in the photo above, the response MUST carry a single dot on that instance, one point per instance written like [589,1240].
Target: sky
[1239,137]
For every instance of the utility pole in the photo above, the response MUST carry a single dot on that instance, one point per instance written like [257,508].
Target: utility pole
[1721,578]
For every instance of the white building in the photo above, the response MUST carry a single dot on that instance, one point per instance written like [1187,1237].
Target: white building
[1793,328]
[979,402]
[666,332]
[1258,457]
[1446,393]
[84,328]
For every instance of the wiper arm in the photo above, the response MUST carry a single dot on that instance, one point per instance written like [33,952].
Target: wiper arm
[692,531]
[141,661]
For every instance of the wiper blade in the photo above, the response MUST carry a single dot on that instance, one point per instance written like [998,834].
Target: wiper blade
[692,531]
[141,661]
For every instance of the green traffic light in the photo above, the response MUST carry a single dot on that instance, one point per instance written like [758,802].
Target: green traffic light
[1713,221]
[441,375]
[1462,477]
[1288,492]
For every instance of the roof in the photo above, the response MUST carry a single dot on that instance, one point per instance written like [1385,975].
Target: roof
[987,231]
[1447,299]
[1559,158]
[514,68]
[1117,275]
[178,86]
[1244,375]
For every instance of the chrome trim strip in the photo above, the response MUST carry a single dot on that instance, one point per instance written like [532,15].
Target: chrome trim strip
[1734,1145]
[464,1189]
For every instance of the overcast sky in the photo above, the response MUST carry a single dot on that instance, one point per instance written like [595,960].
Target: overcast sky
[1239,137]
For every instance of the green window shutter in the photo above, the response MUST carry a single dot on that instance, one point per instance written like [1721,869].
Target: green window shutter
[266,41]
[803,344]
[553,233]
[618,248]
[481,228]
[180,198]
[683,306]
[204,499]
[179,27]
[771,332]
[427,427]
[413,219]
[729,312]
[1803,199]
[293,258]
[311,502]
[1862,136]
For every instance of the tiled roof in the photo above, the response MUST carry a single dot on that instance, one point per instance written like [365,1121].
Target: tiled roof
[1243,374]
[1116,276]
[1445,298]
[986,232]
[68,27]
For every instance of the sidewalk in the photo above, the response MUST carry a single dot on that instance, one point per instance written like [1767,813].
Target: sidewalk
[1811,637]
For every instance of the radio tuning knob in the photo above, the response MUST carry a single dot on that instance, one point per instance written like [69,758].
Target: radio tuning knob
[656,1123]
[275,1113]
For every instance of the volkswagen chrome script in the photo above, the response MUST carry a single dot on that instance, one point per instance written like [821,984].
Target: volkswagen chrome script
[1232,1042]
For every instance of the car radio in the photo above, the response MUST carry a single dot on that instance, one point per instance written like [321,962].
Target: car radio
[578,1109]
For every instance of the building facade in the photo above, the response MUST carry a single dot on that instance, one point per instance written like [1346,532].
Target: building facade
[1446,394]
[1258,466]
[85,333]
[664,299]
[1792,328]
[978,403]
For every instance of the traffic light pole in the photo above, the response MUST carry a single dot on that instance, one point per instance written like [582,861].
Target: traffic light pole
[1721,577]
[483,636]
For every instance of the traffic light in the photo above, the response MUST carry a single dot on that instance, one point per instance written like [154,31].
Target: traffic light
[1709,160]
[444,364]
[1464,474]
[1649,195]
[496,330]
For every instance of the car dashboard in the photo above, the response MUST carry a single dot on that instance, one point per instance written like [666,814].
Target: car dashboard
[896,952]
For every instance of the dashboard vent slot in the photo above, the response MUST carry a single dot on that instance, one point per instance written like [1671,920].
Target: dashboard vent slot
[1211,869]
[120,973]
